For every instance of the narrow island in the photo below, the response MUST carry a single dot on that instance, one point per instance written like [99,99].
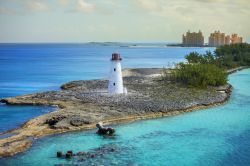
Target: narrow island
[152,93]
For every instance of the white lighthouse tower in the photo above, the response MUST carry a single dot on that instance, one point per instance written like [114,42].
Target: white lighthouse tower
[115,81]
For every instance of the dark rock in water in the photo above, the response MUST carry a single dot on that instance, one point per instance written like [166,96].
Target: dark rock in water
[94,157]
[55,119]
[81,153]
[59,154]
[103,130]
[81,159]
[70,151]
[68,155]
[3,101]
[110,130]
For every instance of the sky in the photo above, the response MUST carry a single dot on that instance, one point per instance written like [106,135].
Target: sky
[119,20]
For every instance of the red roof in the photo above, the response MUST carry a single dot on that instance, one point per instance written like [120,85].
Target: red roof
[116,57]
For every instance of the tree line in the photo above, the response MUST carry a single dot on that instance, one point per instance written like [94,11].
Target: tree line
[210,69]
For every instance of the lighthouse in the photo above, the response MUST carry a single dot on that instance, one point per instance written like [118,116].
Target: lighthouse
[115,81]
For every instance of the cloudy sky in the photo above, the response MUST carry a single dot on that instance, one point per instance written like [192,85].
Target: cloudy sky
[119,20]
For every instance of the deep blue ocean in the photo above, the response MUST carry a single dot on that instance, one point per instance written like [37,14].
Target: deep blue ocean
[211,137]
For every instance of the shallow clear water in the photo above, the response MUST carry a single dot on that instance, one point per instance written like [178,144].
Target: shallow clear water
[215,136]
[28,68]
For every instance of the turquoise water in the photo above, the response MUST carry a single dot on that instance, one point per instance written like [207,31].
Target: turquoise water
[29,68]
[216,136]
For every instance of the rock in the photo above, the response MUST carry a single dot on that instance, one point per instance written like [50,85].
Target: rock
[70,151]
[63,124]
[53,120]
[81,154]
[59,154]
[110,131]
[3,101]
[81,159]
[94,153]
[68,155]
[103,130]
[92,156]
[78,121]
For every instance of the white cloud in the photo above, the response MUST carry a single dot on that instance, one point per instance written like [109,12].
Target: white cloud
[212,1]
[4,10]
[37,5]
[84,6]
[149,5]
[63,2]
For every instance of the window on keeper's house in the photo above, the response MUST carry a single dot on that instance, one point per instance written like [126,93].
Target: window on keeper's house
[114,69]
[114,84]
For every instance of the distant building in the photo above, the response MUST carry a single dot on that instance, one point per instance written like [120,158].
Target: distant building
[193,39]
[216,39]
[236,39]
[227,40]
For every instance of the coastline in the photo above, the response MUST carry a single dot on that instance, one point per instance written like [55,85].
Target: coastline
[36,128]
[181,45]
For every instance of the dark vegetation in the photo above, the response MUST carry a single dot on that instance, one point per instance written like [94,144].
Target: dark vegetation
[200,75]
[226,57]
[232,56]
[209,69]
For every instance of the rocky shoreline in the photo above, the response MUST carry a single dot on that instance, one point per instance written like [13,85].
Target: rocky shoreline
[82,104]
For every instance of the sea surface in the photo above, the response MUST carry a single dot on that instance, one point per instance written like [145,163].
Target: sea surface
[29,68]
[219,136]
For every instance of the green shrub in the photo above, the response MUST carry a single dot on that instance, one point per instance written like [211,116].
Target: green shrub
[199,75]
[230,56]
[227,56]
[195,57]
[209,69]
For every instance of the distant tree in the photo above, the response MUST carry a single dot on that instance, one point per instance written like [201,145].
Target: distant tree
[234,55]
[193,57]
[199,75]
[227,56]
[209,69]
[207,58]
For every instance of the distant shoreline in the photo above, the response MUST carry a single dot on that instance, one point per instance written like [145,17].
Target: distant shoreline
[181,45]
[121,44]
